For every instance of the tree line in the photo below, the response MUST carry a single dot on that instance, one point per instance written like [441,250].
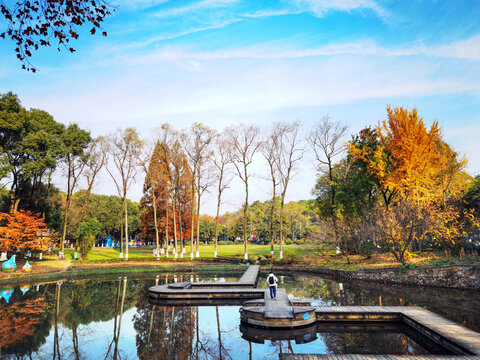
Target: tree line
[394,187]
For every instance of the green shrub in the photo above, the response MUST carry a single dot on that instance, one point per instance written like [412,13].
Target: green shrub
[221,242]
[290,256]
[267,259]
[406,267]
[288,242]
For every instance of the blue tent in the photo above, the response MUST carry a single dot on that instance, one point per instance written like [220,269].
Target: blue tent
[106,242]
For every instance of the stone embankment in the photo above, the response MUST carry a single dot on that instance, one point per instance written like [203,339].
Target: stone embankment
[456,276]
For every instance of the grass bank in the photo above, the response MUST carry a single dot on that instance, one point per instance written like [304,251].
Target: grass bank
[79,272]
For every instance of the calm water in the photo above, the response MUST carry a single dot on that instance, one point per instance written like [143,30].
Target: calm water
[111,318]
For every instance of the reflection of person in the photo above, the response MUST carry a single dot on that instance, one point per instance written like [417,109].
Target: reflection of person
[272,284]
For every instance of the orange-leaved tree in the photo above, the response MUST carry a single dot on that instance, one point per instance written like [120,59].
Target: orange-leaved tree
[418,174]
[406,157]
[23,230]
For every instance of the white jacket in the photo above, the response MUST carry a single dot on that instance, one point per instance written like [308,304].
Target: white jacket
[275,280]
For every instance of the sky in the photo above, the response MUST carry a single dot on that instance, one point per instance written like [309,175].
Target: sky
[224,62]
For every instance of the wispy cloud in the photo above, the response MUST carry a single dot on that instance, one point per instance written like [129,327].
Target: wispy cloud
[186,32]
[320,7]
[195,7]
[137,4]
[468,49]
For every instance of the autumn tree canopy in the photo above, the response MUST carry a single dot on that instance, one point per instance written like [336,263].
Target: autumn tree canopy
[169,177]
[23,230]
[399,183]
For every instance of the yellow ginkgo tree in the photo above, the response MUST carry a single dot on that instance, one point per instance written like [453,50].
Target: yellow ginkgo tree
[418,175]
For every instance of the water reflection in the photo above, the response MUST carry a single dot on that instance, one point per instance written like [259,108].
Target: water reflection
[111,318]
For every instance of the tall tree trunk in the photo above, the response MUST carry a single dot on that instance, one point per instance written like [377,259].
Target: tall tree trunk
[245,209]
[281,227]
[216,224]
[192,238]
[167,245]
[180,225]
[121,233]
[157,237]
[272,211]
[198,225]
[126,231]
[64,227]
[175,252]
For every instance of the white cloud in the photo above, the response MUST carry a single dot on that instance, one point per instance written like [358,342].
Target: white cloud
[254,84]
[138,4]
[321,7]
[189,31]
[195,6]
[468,49]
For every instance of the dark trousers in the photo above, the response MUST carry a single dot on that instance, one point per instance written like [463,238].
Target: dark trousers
[273,292]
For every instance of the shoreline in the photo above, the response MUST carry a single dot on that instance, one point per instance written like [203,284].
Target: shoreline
[450,276]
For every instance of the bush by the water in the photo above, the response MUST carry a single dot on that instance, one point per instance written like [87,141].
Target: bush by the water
[267,259]
[290,256]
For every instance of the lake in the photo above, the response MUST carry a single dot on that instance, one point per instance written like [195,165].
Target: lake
[111,318]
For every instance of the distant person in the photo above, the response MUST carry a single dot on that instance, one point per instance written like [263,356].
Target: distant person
[272,284]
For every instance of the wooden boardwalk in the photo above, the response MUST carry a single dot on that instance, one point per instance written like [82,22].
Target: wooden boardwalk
[243,289]
[278,308]
[285,313]
[373,357]
[445,332]
[279,312]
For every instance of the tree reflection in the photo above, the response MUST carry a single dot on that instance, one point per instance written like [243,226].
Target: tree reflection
[19,321]
[164,332]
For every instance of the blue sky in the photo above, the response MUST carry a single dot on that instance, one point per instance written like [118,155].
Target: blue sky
[228,61]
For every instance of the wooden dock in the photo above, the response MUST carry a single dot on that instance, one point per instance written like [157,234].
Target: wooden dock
[277,313]
[373,357]
[285,313]
[259,311]
[243,289]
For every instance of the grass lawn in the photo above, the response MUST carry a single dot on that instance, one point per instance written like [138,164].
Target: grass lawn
[206,251]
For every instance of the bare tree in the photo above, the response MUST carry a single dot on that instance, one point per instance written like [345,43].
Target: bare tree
[75,141]
[290,152]
[244,142]
[125,147]
[326,142]
[97,156]
[221,159]
[271,154]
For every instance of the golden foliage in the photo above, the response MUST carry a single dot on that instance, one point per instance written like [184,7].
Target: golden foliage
[23,230]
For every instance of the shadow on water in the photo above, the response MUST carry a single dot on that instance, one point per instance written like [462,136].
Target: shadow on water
[111,318]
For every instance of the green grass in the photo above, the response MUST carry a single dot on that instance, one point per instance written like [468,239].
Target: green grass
[206,251]
[136,271]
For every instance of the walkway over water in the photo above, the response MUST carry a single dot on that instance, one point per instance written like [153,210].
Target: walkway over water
[283,313]
[243,289]
[372,357]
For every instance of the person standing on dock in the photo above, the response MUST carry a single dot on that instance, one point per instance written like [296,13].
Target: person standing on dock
[272,284]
